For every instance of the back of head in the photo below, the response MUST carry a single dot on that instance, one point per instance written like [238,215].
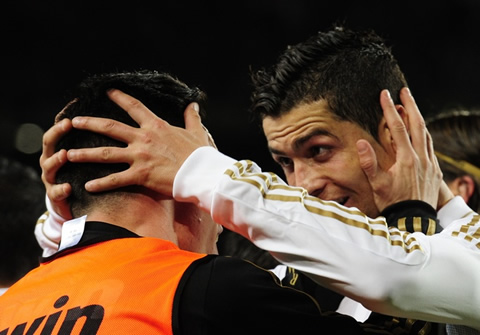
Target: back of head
[456,139]
[22,201]
[346,68]
[160,92]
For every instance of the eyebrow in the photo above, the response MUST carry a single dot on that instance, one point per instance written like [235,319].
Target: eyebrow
[301,141]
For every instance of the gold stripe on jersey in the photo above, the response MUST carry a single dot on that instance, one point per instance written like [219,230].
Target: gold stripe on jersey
[43,217]
[432,224]
[417,224]
[408,243]
[41,220]
[401,224]
[242,169]
[464,229]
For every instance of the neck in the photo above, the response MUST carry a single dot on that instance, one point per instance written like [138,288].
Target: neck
[141,214]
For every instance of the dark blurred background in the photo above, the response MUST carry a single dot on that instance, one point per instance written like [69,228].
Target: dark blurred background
[48,47]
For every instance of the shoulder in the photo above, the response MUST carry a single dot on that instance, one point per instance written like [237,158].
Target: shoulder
[221,293]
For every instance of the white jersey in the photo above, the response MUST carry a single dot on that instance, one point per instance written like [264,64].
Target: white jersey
[433,278]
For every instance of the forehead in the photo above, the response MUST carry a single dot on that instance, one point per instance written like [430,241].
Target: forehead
[305,118]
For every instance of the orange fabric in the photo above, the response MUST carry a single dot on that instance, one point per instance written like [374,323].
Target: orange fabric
[122,286]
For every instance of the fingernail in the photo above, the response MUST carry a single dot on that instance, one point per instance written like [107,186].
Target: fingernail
[361,147]
[70,154]
[88,185]
[76,121]
[62,124]
[196,107]
[65,192]
[388,95]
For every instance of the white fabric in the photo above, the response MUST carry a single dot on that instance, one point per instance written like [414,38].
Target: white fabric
[48,230]
[354,309]
[433,278]
[453,210]
[280,271]
[72,232]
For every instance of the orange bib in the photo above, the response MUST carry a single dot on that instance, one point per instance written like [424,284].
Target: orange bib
[122,286]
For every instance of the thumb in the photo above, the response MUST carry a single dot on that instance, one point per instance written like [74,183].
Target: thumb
[193,123]
[192,117]
[367,158]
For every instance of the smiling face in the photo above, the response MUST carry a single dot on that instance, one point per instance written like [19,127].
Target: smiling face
[318,152]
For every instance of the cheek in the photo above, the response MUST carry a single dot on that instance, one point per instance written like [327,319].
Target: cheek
[290,178]
[345,168]
[346,172]
[358,178]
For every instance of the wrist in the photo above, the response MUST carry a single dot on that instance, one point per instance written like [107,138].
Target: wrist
[412,216]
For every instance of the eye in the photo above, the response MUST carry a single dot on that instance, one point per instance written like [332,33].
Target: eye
[284,162]
[320,152]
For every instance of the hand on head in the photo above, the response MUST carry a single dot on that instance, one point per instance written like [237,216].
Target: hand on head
[415,175]
[155,151]
[51,162]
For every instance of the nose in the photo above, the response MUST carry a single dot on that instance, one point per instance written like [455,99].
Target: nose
[309,176]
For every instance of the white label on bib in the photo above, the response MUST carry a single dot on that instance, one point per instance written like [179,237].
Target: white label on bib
[72,232]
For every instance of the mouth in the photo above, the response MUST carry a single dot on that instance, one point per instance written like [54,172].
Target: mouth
[342,201]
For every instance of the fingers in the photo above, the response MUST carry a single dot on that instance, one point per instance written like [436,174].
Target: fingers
[367,158]
[52,136]
[132,106]
[110,182]
[51,161]
[193,123]
[395,123]
[50,166]
[108,127]
[416,122]
[98,155]
[192,117]
[59,192]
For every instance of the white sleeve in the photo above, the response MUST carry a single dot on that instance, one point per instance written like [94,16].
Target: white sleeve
[433,278]
[48,230]
[455,209]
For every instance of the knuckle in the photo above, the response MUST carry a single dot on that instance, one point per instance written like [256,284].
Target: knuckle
[399,126]
[134,103]
[113,179]
[420,123]
[109,124]
[142,173]
[106,153]
[146,138]
[145,156]
[409,162]
[158,124]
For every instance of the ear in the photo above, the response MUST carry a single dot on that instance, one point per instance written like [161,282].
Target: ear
[463,186]
[384,134]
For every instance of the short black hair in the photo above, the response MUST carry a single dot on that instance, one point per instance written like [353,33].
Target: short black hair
[162,93]
[347,68]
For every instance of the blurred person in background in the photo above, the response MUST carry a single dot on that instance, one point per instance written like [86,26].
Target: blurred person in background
[456,139]
[22,201]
